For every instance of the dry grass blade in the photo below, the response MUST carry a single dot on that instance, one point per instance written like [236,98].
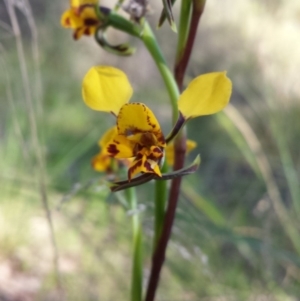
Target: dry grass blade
[40,168]
[9,96]
[264,166]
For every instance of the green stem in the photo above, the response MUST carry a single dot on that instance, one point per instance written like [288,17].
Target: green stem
[160,205]
[150,42]
[184,25]
[113,19]
[137,267]
[180,147]
[186,50]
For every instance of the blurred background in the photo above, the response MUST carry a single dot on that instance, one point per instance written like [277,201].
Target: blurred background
[237,230]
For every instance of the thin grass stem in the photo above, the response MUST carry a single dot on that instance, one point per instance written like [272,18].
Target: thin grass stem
[39,155]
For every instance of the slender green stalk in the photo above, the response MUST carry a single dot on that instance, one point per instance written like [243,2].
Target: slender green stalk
[137,265]
[183,30]
[185,50]
[160,205]
[180,148]
[150,42]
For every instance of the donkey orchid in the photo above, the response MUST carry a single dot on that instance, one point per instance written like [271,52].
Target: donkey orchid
[81,17]
[138,134]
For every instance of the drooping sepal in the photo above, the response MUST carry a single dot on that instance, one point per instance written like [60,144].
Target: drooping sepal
[144,178]
[121,185]
[183,171]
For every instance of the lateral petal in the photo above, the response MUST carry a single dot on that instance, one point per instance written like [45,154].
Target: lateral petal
[108,137]
[106,89]
[69,19]
[120,147]
[206,94]
[101,162]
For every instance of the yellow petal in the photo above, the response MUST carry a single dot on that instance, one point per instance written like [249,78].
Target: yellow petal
[70,20]
[120,147]
[206,94]
[136,167]
[108,137]
[143,164]
[101,162]
[77,3]
[136,118]
[78,33]
[190,145]
[88,13]
[106,89]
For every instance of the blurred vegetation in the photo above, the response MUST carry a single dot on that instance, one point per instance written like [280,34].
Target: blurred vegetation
[237,233]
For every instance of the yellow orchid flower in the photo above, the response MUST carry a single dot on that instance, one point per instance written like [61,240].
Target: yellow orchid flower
[81,17]
[139,135]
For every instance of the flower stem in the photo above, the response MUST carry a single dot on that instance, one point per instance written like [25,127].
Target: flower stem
[183,31]
[182,58]
[161,186]
[137,267]
[184,53]
[160,205]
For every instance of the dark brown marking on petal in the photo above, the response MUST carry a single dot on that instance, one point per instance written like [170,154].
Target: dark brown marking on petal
[155,157]
[87,31]
[152,157]
[161,139]
[139,156]
[133,168]
[147,165]
[68,21]
[90,22]
[137,148]
[157,150]
[112,149]
[82,7]
[76,34]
